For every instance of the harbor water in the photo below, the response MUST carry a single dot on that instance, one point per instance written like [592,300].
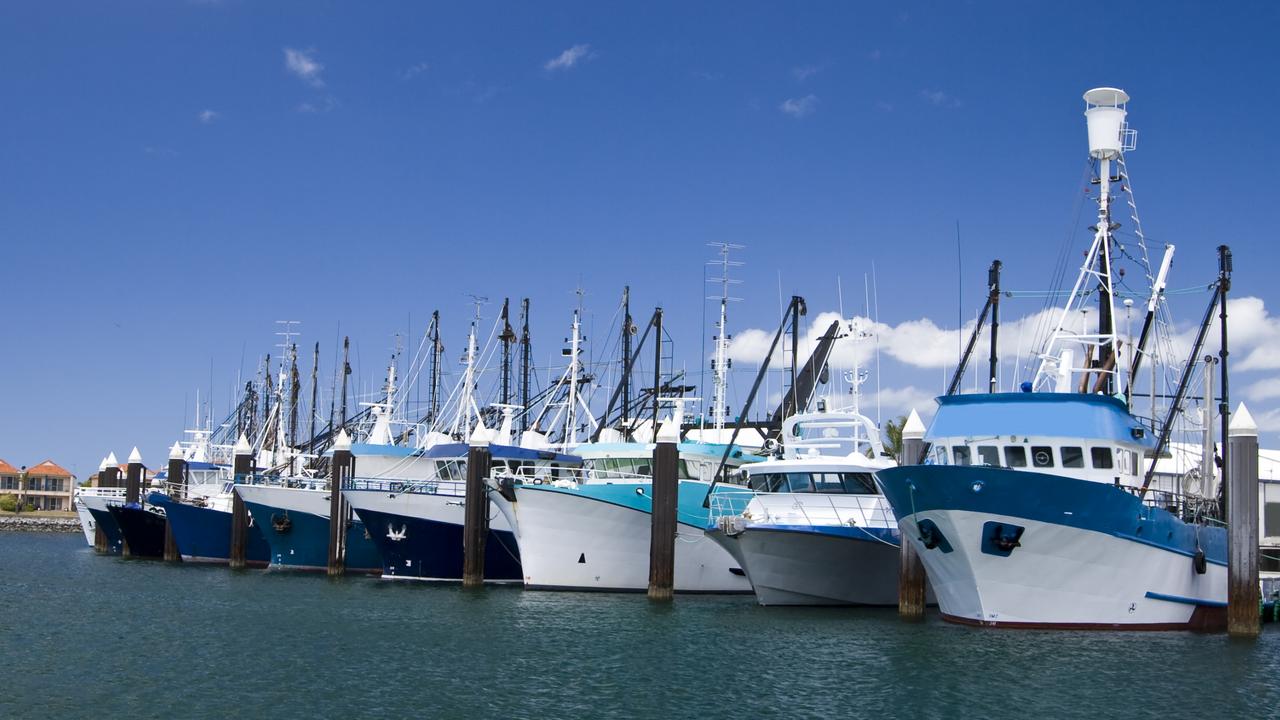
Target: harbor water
[93,636]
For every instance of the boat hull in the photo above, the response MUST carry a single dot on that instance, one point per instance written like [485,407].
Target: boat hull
[816,566]
[295,524]
[88,525]
[143,530]
[1089,555]
[597,538]
[419,536]
[98,508]
[203,535]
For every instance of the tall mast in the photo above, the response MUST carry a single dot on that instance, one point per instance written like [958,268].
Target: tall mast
[571,410]
[346,370]
[466,402]
[1109,137]
[433,333]
[993,361]
[508,337]
[627,329]
[288,374]
[295,389]
[315,369]
[525,355]
[721,364]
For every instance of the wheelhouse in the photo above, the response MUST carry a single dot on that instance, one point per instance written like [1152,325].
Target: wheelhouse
[1089,437]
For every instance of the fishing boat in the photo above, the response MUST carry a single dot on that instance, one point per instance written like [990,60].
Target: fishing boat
[589,530]
[414,505]
[88,525]
[1032,509]
[198,508]
[290,505]
[96,503]
[815,529]
[417,526]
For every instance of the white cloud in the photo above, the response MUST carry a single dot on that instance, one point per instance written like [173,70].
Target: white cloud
[939,98]
[414,70]
[1268,389]
[1268,421]
[884,106]
[893,402]
[918,356]
[208,116]
[303,64]
[322,106]
[805,72]
[800,107]
[920,343]
[569,58]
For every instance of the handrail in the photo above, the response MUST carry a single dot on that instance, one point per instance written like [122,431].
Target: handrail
[812,509]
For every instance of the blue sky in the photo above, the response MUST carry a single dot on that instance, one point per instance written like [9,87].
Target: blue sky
[179,175]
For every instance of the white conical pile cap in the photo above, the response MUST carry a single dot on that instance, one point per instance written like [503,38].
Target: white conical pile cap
[913,428]
[242,446]
[102,465]
[1242,424]
[342,442]
[175,452]
[111,460]
[669,431]
[135,457]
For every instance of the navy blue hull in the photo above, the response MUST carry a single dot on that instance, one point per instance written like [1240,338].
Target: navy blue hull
[204,534]
[420,549]
[107,524]
[143,530]
[300,540]
[1099,507]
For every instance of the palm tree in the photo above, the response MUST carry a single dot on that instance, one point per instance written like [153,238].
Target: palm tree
[893,436]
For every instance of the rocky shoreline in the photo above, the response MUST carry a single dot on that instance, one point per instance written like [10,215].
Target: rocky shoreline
[20,523]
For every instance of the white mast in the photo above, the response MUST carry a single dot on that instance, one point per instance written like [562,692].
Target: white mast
[720,363]
[467,402]
[574,401]
[1109,137]
[571,411]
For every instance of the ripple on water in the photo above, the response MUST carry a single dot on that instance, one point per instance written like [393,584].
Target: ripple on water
[86,634]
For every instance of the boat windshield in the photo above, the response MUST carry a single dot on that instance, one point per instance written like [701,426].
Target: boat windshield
[832,483]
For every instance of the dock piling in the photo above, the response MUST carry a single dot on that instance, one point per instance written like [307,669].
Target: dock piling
[665,490]
[341,469]
[242,466]
[911,575]
[1243,617]
[132,486]
[113,472]
[476,519]
[99,537]
[133,477]
[176,480]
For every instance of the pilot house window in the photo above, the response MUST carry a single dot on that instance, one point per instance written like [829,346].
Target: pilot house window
[1015,456]
[1101,458]
[989,455]
[1041,456]
[1072,457]
[961,455]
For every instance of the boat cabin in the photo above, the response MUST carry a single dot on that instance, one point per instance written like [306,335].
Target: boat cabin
[1089,437]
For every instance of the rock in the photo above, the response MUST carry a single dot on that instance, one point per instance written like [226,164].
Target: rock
[22,523]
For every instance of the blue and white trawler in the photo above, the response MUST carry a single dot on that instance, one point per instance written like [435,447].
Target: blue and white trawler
[1032,509]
